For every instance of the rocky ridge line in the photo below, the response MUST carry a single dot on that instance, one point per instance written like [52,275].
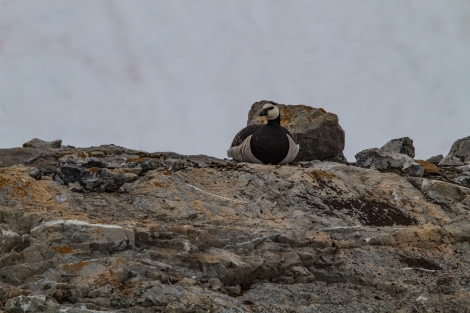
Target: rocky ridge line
[179,233]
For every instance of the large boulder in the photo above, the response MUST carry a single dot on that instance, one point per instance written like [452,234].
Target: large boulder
[461,149]
[316,131]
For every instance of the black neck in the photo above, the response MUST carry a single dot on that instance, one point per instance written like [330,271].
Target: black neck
[276,121]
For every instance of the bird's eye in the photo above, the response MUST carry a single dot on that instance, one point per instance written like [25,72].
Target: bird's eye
[270,108]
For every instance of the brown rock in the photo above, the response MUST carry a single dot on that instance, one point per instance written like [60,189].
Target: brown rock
[429,167]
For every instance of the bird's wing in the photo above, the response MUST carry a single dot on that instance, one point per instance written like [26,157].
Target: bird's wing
[242,152]
[292,152]
[287,132]
[244,133]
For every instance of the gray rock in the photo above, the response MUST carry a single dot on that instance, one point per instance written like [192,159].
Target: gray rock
[463,179]
[36,173]
[316,131]
[26,304]
[384,160]
[435,159]
[102,180]
[41,172]
[18,273]
[401,145]
[450,160]
[68,235]
[70,173]
[90,177]
[38,143]
[9,240]
[464,168]
[461,149]
[413,168]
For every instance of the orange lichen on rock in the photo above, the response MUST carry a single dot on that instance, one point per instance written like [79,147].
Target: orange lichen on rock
[137,160]
[286,116]
[429,167]
[160,184]
[166,172]
[319,174]
[29,193]
[64,249]
[74,268]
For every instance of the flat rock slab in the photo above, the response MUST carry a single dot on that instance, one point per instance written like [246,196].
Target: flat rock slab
[82,235]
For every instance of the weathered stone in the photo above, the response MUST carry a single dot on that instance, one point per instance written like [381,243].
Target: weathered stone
[38,143]
[397,154]
[316,131]
[464,168]
[90,178]
[26,304]
[461,149]
[82,235]
[198,234]
[36,173]
[450,160]
[401,145]
[435,159]
[429,167]
[18,273]
[215,284]
[101,180]
[9,240]
[413,168]
[70,173]
[384,160]
[93,163]
[455,199]
[463,179]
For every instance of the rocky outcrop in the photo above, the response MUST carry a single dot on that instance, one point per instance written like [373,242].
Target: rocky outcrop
[397,154]
[199,234]
[39,143]
[401,145]
[383,160]
[461,149]
[316,131]
[458,155]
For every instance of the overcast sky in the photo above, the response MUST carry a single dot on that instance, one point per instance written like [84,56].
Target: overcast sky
[181,75]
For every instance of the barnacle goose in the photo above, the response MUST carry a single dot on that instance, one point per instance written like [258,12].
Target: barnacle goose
[269,143]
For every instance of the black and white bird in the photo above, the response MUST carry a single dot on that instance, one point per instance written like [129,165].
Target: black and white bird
[264,143]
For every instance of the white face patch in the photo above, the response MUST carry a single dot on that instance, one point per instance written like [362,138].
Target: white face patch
[272,113]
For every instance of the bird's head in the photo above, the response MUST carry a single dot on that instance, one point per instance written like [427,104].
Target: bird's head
[270,110]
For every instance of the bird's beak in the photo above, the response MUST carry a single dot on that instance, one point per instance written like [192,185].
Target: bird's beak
[264,112]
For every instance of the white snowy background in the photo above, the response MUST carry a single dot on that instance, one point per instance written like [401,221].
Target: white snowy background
[181,75]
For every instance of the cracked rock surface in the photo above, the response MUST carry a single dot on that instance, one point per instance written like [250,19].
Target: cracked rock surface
[109,229]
